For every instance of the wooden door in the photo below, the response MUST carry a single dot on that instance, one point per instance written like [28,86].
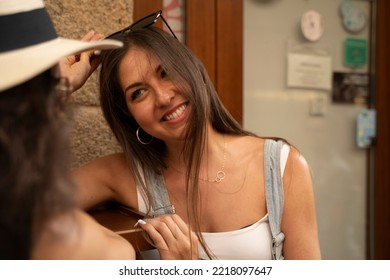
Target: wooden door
[382,147]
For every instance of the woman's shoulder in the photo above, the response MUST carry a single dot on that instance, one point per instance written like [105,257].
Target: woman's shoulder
[76,235]
[105,168]
[298,176]
[112,160]
[107,178]
[255,142]
[246,142]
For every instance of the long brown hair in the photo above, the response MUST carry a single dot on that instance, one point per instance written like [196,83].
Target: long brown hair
[190,76]
[34,184]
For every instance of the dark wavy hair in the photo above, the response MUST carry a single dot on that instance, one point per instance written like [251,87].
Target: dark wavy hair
[190,76]
[34,183]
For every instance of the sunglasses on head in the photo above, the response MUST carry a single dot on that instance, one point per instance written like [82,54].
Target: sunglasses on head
[143,23]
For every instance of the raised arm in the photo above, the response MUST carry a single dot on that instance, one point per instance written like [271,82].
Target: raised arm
[78,68]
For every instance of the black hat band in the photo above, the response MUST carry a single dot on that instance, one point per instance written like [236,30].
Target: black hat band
[25,29]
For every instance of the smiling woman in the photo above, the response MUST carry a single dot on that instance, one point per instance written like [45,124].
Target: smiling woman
[151,95]
[201,183]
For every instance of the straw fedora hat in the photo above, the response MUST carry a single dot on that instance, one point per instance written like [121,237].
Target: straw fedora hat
[29,44]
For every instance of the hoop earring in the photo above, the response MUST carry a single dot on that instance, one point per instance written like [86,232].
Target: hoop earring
[139,139]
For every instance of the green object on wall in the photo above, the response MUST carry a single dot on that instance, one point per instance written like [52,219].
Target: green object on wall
[355,52]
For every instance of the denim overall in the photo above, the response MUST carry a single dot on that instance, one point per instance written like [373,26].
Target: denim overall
[274,194]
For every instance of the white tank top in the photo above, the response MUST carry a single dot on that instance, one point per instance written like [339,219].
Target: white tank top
[251,243]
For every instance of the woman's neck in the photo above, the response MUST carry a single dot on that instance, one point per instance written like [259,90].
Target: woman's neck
[213,157]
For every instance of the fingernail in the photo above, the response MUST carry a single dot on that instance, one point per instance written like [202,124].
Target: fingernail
[98,52]
[140,222]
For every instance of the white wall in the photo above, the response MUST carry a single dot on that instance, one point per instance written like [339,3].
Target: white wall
[328,141]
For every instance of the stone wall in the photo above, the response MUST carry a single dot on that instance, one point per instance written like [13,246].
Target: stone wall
[73,18]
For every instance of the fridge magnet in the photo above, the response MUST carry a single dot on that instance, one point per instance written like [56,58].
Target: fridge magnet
[350,88]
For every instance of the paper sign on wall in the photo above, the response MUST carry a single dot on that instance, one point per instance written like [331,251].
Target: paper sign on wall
[309,71]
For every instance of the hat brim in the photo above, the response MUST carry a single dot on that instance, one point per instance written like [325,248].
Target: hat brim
[21,65]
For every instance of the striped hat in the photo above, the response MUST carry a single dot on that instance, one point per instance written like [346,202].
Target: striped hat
[29,44]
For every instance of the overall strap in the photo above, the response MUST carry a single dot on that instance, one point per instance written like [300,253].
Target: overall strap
[274,194]
[159,195]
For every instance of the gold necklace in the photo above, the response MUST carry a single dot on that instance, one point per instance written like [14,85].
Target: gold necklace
[221,173]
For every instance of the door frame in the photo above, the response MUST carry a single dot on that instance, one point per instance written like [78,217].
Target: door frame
[381,193]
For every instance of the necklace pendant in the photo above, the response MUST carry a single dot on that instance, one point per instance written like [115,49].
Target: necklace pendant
[220,176]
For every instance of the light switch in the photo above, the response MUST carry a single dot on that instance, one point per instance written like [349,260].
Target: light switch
[318,105]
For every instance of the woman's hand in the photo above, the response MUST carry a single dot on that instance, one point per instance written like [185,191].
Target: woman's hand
[172,237]
[78,68]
